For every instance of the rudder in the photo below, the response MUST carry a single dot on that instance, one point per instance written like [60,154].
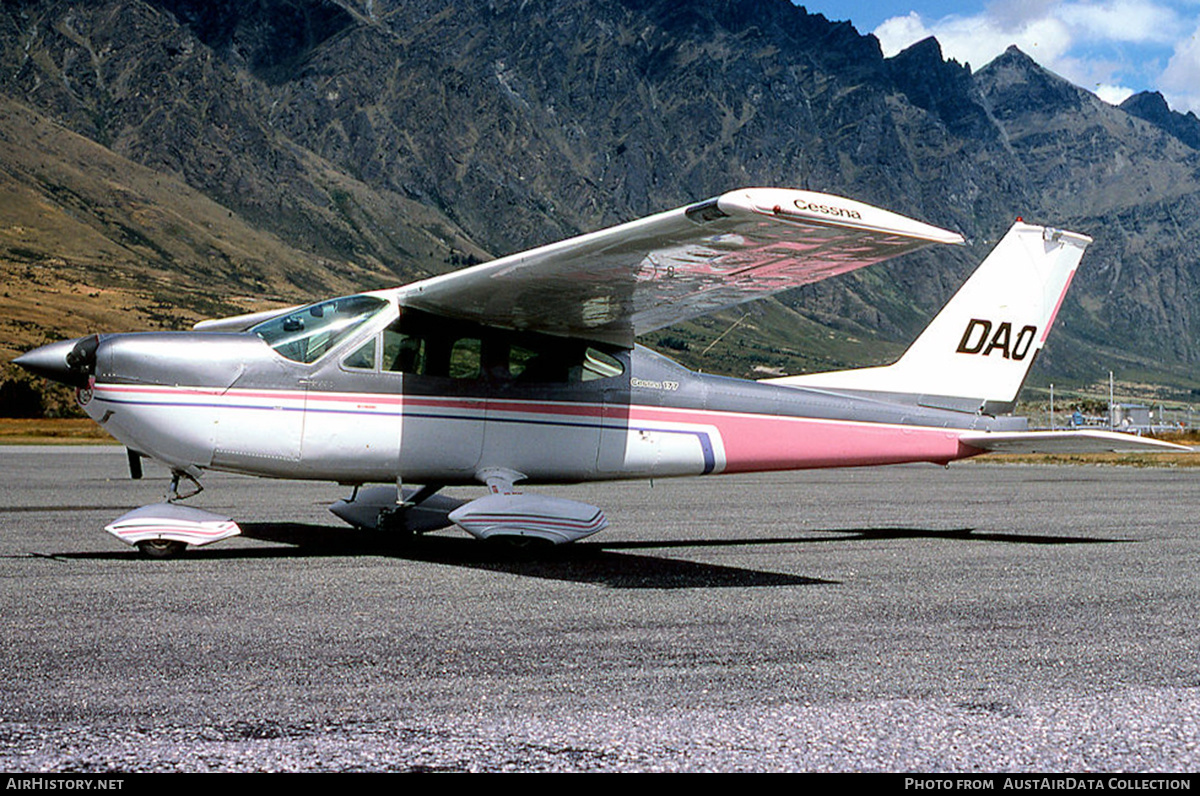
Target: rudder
[978,350]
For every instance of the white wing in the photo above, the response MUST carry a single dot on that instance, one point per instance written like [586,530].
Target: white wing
[620,282]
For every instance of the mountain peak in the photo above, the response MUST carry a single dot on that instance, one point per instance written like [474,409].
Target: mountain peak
[1013,81]
[927,51]
[1151,106]
[1015,58]
[392,139]
[1147,102]
[942,87]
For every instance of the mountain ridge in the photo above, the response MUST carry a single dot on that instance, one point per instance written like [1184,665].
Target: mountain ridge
[408,138]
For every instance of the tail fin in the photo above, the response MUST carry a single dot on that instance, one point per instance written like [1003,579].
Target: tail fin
[976,353]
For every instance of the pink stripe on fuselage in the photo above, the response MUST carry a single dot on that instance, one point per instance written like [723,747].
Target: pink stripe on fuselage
[769,442]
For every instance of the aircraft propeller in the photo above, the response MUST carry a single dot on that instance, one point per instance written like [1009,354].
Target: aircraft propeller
[70,362]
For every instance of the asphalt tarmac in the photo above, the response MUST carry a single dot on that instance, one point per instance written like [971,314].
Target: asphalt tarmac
[978,618]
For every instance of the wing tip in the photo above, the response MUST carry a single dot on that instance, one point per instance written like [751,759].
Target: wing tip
[790,204]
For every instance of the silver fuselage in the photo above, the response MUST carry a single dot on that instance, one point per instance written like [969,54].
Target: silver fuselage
[228,401]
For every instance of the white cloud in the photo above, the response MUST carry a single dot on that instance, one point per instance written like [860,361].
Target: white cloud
[1121,21]
[977,39]
[1113,95]
[1181,79]
[899,32]
[1103,46]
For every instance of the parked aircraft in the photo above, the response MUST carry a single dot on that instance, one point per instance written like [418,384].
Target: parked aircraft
[524,370]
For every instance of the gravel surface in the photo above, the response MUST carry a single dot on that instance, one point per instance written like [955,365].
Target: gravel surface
[981,618]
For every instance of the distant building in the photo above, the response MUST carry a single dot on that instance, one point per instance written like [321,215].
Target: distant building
[1131,417]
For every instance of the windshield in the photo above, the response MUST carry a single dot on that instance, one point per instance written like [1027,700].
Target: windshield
[306,334]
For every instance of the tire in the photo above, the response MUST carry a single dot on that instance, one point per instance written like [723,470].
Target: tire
[161,548]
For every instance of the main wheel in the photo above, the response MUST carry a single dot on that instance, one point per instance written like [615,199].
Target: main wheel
[395,522]
[161,548]
[520,546]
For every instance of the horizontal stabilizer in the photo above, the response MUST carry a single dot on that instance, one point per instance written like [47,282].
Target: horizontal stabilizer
[1075,441]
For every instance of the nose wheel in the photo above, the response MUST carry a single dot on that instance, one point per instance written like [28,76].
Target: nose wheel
[164,530]
[160,548]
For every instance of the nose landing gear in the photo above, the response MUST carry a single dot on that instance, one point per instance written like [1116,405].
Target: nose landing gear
[173,494]
[160,548]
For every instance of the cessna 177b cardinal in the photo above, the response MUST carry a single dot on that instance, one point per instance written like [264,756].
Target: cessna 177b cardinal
[524,370]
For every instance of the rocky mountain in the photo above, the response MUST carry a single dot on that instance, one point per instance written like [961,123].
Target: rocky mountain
[377,140]
[1152,106]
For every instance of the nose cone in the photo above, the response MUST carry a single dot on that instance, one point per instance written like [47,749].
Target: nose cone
[67,361]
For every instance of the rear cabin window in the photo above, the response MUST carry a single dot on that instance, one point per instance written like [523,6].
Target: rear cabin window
[427,345]
[599,365]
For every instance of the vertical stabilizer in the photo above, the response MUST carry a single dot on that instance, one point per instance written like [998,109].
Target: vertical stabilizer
[979,348]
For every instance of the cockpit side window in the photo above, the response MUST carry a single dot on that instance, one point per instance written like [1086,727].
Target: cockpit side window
[363,357]
[403,353]
[306,334]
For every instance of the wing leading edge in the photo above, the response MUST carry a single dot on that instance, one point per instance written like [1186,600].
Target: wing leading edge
[616,283]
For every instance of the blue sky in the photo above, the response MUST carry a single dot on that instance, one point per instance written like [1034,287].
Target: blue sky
[1111,47]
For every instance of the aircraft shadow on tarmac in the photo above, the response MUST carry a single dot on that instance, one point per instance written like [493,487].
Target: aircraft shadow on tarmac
[969,534]
[581,562]
[610,564]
